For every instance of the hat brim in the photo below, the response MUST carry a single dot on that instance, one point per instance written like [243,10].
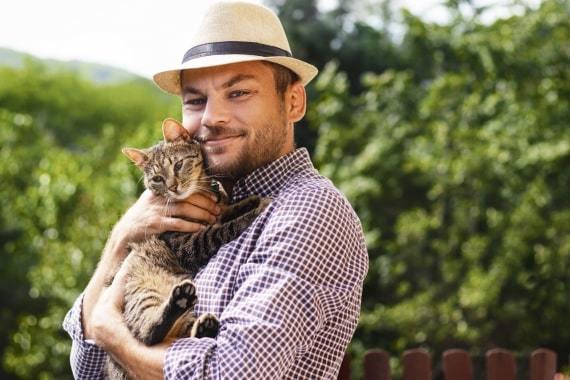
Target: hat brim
[169,80]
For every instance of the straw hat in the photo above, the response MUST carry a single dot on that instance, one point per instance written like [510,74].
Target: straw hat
[233,32]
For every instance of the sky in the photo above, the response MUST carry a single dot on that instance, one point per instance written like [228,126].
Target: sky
[141,36]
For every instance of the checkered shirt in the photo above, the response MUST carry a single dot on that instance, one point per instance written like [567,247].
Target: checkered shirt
[287,291]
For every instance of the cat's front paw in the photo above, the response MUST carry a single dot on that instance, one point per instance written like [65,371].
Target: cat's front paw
[206,326]
[183,295]
[263,203]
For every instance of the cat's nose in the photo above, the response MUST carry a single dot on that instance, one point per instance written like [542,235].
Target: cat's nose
[173,187]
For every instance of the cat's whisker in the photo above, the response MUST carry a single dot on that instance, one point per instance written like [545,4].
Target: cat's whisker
[165,211]
[197,180]
[218,175]
[167,204]
[145,232]
[202,186]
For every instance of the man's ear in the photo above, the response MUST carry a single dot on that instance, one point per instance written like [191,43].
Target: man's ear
[137,156]
[296,102]
[172,131]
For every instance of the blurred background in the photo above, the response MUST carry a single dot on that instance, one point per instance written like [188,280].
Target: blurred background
[446,124]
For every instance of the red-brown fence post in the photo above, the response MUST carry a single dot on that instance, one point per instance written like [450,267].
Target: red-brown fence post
[457,365]
[500,365]
[542,364]
[377,365]
[344,373]
[417,364]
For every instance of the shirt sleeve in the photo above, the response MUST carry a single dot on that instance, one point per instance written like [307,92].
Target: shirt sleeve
[307,264]
[87,359]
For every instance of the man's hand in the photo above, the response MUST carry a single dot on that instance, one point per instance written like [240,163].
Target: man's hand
[107,315]
[153,215]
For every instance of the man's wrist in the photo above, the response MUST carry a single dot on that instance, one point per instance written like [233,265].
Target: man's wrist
[116,247]
[112,334]
[140,361]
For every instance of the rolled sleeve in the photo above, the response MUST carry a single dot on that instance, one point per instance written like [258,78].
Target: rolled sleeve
[87,359]
[191,358]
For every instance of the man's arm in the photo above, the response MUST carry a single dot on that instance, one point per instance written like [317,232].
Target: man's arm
[149,215]
[305,272]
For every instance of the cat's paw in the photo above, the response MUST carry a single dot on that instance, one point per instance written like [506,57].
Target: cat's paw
[263,203]
[183,295]
[206,326]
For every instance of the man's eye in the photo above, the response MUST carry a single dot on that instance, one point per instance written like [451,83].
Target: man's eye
[195,102]
[238,93]
[178,166]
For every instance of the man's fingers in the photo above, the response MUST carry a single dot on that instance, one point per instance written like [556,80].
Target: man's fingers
[181,225]
[205,202]
[190,211]
[120,277]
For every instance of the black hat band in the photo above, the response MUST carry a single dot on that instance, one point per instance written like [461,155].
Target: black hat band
[234,47]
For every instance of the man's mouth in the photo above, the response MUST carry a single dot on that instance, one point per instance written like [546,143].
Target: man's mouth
[217,140]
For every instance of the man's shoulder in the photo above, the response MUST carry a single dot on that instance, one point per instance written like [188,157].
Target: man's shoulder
[314,196]
[315,224]
[307,204]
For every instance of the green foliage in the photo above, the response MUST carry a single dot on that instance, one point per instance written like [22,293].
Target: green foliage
[453,146]
[97,73]
[319,37]
[73,109]
[458,168]
[63,184]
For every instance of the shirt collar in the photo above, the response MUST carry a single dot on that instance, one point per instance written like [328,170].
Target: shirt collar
[268,180]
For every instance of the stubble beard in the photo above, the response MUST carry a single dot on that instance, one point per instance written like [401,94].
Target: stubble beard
[266,147]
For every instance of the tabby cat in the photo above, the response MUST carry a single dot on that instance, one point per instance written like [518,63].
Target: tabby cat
[159,292]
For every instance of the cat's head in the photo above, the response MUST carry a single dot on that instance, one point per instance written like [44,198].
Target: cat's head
[174,167]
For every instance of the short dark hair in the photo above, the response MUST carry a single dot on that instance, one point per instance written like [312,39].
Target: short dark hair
[283,76]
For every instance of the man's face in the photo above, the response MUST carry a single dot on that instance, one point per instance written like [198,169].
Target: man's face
[237,115]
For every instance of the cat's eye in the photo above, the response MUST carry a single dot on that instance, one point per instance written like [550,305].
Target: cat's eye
[157,178]
[178,166]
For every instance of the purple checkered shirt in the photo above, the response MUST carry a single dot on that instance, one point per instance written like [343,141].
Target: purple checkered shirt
[287,291]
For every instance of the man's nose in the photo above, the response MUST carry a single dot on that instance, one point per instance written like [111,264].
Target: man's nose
[216,112]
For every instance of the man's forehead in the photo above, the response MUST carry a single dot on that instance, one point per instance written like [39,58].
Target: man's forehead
[225,75]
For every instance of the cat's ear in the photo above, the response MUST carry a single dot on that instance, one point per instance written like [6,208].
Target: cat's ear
[174,131]
[137,156]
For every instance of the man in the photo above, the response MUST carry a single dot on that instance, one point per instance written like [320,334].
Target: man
[287,291]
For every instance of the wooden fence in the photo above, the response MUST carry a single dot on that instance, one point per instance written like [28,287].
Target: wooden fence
[499,364]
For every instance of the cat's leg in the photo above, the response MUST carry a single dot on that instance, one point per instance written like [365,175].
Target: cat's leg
[206,326]
[243,216]
[195,250]
[206,243]
[159,323]
[252,203]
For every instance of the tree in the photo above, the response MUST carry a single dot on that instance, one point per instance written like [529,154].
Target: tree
[458,169]
[319,37]
[63,184]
